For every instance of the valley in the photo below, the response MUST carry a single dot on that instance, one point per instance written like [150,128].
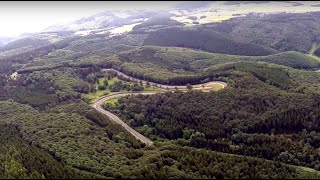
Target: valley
[203,90]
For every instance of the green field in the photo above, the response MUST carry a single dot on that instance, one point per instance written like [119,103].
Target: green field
[216,86]
[112,101]
[93,96]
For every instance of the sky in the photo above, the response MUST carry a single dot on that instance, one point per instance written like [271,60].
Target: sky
[17,17]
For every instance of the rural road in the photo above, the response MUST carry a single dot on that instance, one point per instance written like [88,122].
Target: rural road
[98,104]
[223,84]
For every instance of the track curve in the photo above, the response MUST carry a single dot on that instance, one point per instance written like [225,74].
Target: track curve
[98,104]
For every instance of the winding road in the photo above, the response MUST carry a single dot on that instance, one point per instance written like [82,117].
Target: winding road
[98,104]
[223,84]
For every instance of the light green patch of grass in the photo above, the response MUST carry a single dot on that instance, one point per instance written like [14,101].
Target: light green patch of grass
[112,101]
[314,56]
[306,172]
[216,86]
[152,89]
[206,88]
[99,93]
[94,96]
[313,48]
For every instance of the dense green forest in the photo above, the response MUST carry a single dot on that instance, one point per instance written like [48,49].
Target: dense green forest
[283,31]
[171,65]
[254,34]
[20,160]
[259,115]
[317,52]
[181,66]
[54,93]
[204,40]
[94,147]
[264,124]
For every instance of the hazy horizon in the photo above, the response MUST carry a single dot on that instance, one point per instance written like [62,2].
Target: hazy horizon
[31,17]
[28,17]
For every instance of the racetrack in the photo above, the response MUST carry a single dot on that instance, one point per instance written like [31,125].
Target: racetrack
[98,104]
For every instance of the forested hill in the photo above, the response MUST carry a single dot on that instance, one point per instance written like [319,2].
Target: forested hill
[182,65]
[21,160]
[263,124]
[265,112]
[210,41]
[284,31]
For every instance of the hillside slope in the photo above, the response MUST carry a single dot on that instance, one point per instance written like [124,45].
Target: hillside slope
[21,160]
[210,41]
[168,64]
[283,31]
[193,60]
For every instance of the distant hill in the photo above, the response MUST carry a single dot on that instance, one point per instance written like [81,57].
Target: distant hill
[284,31]
[103,20]
[23,52]
[25,43]
[5,40]
[211,41]
[177,58]
[158,19]
[164,64]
